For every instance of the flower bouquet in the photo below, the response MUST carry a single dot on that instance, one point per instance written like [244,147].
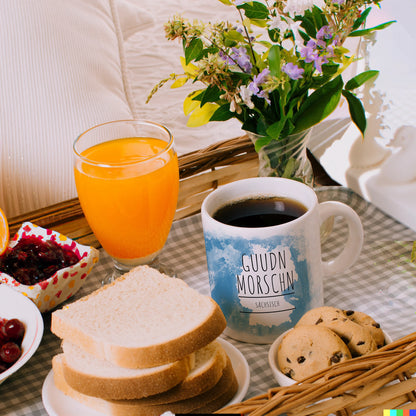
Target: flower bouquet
[278,70]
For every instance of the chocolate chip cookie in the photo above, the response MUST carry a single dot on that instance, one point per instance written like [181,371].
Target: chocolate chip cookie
[358,338]
[368,322]
[306,349]
[322,314]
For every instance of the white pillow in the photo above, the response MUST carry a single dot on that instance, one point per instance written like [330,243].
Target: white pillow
[133,17]
[62,71]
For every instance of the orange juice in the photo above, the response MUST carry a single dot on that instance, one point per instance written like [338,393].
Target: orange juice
[129,193]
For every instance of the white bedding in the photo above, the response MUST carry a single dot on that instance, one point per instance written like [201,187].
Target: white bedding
[67,66]
[62,72]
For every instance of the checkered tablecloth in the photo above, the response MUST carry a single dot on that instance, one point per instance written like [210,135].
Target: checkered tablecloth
[382,283]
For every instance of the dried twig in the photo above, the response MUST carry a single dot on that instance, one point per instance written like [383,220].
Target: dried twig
[364,386]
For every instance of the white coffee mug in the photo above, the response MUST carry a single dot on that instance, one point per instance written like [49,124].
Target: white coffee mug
[265,278]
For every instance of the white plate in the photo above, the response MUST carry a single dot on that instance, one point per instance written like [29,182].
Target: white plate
[241,370]
[57,403]
[15,305]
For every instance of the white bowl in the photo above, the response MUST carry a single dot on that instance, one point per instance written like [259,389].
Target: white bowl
[282,379]
[15,305]
[278,375]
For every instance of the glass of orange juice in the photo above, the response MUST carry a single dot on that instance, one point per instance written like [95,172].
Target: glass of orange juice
[127,178]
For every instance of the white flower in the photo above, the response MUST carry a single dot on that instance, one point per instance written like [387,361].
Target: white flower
[284,25]
[245,94]
[278,23]
[294,27]
[297,7]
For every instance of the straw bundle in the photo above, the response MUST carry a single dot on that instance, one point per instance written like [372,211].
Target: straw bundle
[361,386]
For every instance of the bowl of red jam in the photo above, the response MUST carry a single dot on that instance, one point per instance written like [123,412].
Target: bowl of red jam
[45,265]
[21,330]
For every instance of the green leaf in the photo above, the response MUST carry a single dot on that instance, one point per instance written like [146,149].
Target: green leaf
[255,10]
[193,50]
[364,32]
[413,254]
[273,59]
[304,36]
[289,127]
[258,22]
[274,35]
[360,79]
[356,111]
[319,105]
[309,26]
[205,52]
[319,17]
[261,142]
[330,69]
[274,130]
[361,19]
[234,35]
[227,2]
[210,94]
[222,113]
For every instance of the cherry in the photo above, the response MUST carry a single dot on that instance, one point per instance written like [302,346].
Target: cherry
[10,352]
[11,336]
[13,330]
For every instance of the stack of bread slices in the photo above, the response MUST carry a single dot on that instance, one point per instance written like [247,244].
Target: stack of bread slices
[143,345]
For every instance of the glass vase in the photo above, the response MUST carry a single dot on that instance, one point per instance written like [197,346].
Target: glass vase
[286,157]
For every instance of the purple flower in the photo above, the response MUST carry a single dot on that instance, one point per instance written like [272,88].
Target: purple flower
[240,57]
[226,58]
[262,77]
[319,61]
[292,70]
[254,86]
[338,1]
[309,52]
[325,32]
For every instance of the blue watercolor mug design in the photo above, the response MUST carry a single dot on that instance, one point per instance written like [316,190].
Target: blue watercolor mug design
[262,287]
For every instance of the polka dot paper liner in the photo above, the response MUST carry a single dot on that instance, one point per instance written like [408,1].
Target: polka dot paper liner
[65,282]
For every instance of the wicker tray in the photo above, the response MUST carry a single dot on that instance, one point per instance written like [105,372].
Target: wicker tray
[363,386]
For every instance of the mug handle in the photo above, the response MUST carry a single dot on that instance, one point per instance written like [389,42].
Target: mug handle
[355,239]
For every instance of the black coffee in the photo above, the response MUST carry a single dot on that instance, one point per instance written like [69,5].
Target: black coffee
[260,212]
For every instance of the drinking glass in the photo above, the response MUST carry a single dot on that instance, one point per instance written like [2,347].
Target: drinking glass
[127,178]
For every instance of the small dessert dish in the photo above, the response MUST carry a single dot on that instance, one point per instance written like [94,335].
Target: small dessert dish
[317,342]
[16,307]
[45,265]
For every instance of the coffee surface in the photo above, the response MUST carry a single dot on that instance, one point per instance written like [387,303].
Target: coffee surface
[260,212]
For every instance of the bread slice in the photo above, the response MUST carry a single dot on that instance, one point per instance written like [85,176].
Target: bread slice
[142,319]
[210,362]
[212,399]
[100,378]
